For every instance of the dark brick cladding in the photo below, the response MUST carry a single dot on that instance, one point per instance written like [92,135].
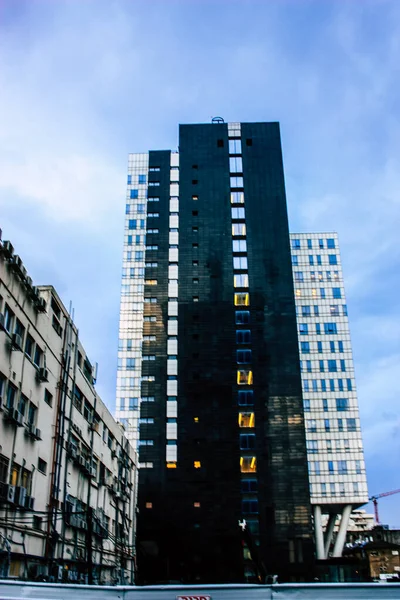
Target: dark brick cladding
[177,541]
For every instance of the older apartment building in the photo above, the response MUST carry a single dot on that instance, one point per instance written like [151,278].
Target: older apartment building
[67,471]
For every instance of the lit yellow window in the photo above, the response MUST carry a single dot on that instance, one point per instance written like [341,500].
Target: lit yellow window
[245,377]
[197,464]
[237,198]
[248,464]
[242,299]
[246,419]
[238,229]
[241,280]
[196,419]
[150,281]
[298,292]
[149,505]
[171,465]
[314,292]
[196,504]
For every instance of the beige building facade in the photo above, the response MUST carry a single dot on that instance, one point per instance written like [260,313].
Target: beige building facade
[67,471]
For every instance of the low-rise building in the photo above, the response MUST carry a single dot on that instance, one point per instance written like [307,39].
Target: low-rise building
[67,471]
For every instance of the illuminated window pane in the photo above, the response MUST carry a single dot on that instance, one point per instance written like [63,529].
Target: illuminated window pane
[171,465]
[196,504]
[237,198]
[149,505]
[238,229]
[246,419]
[197,464]
[241,280]
[248,464]
[242,299]
[240,262]
[244,377]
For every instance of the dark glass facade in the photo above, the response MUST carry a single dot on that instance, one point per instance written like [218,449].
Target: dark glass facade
[241,452]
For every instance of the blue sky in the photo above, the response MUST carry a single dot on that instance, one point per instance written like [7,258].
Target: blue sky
[84,82]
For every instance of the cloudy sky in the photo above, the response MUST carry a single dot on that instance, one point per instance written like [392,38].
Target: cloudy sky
[84,82]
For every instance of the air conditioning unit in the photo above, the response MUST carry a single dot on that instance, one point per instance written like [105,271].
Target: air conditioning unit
[28,282]
[38,434]
[2,322]
[16,341]
[24,272]
[16,262]
[42,374]
[20,496]
[8,248]
[18,418]
[41,305]
[93,472]
[11,493]
[29,502]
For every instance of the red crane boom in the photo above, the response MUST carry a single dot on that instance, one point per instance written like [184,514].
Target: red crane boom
[375,501]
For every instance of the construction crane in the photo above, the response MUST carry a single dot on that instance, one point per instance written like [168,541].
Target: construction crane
[375,501]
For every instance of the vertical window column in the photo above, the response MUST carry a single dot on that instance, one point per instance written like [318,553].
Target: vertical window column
[132,298]
[172,332]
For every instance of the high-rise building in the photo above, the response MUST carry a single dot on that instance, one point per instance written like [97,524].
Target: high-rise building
[209,382]
[334,446]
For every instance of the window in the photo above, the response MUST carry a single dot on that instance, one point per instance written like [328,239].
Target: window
[351,425]
[238,229]
[334,310]
[249,485]
[242,299]
[241,280]
[154,169]
[340,385]
[42,466]
[306,311]
[197,464]
[248,464]
[322,293]
[134,194]
[146,421]
[235,146]
[8,319]
[296,244]
[38,356]
[305,347]
[358,467]
[250,506]
[246,419]
[336,293]
[349,385]
[29,345]
[239,245]
[332,346]
[237,198]
[342,467]
[316,311]
[325,405]
[332,259]
[242,317]
[48,398]
[153,215]
[298,276]
[240,262]
[236,182]
[245,398]
[306,405]
[317,328]
[330,242]
[342,365]
[303,328]
[237,213]
[323,385]
[130,363]
[154,199]
[345,310]
[141,179]
[327,424]
[312,425]
[308,366]
[342,404]
[330,466]
[311,259]
[340,424]
[331,385]
[340,345]
[312,446]
[306,385]
[133,403]
[247,441]
[319,347]
[244,377]
[155,183]
[295,260]
[330,328]
[243,356]
[136,224]
[332,366]
[321,366]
